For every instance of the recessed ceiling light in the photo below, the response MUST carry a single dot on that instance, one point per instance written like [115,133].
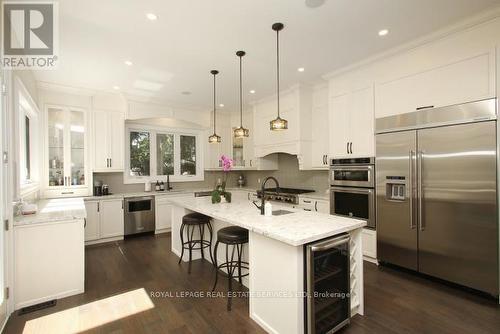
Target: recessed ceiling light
[383,32]
[301,69]
[252,91]
[151,16]
[116,87]
[221,105]
[128,63]
[186,92]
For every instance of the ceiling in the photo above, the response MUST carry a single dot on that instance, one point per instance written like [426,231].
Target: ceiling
[174,54]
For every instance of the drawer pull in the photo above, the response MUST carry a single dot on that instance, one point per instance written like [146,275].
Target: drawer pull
[425,107]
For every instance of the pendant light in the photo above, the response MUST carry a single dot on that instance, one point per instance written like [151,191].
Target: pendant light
[241,131]
[214,138]
[278,123]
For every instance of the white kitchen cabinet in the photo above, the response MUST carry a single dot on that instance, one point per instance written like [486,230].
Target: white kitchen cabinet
[351,118]
[316,205]
[163,213]
[67,168]
[369,238]
[111,218]
[105,220]
[320,130]
[49,261]
[466,80]
[108,134]
[92,221]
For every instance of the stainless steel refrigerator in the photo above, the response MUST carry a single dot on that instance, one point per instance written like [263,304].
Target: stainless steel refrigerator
[436,185]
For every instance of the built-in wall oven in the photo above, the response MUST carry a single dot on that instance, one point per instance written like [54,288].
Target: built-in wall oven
[352,189]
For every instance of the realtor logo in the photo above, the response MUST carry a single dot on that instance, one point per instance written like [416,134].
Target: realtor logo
[30,36]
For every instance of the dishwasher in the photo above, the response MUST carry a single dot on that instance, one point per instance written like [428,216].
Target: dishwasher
[139,215]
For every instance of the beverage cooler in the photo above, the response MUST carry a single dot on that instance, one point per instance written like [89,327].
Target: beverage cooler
[327,285]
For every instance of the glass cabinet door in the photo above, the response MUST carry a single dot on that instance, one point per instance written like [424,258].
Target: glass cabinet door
[56,131]
[66,147]
[238,158]
[77,139]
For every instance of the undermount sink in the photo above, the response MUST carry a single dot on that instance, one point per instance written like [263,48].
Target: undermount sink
[281,212]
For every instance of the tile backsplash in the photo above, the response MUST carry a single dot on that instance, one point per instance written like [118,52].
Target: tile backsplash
[288,175]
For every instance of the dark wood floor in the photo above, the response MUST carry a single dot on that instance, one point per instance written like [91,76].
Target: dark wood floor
[396,302]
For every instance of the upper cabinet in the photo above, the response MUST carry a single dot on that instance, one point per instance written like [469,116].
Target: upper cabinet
[320,129]
[460,81]
[351,118]
[67,139]
[108,144]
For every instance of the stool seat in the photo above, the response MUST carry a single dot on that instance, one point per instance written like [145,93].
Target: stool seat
[195,218]
[232,235]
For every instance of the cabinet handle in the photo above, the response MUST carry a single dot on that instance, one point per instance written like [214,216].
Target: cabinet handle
[316,206]
[306,201]
[251,163]
[347,147]
[84,222]
[98,207]
[351,147]
[67,193]
[110,162]
[107,162]
[122,204]
[307,209]
[425,107]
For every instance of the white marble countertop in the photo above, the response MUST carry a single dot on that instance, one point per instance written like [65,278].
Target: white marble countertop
[54,210]
[297,228]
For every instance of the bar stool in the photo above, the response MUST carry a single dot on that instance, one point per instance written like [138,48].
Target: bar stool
[190,222]
[231,236]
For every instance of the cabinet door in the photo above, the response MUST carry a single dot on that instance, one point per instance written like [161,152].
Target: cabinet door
[339,125]
[92,221]
[320,137]
[361,119]
[116,140]
[468,80]
[322,206]
[111,218]
[369,238]
[163,212]
[101,134]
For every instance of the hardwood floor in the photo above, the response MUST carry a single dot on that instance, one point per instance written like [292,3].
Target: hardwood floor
[396,302]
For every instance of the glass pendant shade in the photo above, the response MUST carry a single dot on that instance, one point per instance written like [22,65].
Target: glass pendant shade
[279,124]
[241,132]
[214,139]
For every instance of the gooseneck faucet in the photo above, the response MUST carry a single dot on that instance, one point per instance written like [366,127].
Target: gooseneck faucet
[263,193]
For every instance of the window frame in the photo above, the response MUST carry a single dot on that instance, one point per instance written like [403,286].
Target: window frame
[25,107]
[153,176]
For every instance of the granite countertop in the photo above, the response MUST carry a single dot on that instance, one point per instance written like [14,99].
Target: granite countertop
[297,228]
[54,210]
[174,192]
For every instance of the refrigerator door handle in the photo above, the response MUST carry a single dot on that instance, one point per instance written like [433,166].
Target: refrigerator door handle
[419,181]
[410,183]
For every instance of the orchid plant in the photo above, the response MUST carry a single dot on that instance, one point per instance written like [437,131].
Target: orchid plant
[220,189]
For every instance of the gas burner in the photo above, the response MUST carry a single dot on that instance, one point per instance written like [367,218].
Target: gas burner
[286,195]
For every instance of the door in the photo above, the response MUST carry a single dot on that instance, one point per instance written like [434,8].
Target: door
[339,124]
[111,218]
[116,140]
[361,119]
[458,229]
[5,198]
[92,221]
[101,145]
[395,179]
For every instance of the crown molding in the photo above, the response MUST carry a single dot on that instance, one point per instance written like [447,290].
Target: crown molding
[465,24]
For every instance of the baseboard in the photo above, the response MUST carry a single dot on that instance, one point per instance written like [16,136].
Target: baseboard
[164,230]
[370,259]
[262,323]
[101,241]
[47,298]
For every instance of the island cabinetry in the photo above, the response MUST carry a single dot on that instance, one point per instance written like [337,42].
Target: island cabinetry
[105,220]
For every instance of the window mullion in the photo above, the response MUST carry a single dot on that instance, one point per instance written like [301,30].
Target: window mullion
[152,154]
[177,154]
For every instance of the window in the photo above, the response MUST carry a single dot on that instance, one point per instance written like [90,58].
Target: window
[154,153]
[139,153]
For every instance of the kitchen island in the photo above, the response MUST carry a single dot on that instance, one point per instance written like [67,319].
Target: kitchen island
[276,254]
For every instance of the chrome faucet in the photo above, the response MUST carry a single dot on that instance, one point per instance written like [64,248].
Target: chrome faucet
[263,193]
